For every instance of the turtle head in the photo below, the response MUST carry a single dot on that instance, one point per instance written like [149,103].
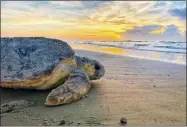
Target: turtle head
[94,69]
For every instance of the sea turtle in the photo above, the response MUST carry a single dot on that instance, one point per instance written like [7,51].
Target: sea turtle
[45,63]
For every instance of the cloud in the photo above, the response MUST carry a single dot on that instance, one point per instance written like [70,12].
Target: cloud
[93,19]
[170,32]
[158,31]
[181,13]
[140,32]
[133,15]
[144,29]
[67,5]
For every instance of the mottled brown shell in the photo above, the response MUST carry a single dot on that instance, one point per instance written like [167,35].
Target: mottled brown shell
[24,58]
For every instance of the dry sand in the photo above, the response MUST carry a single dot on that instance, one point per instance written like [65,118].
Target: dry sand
[145,92]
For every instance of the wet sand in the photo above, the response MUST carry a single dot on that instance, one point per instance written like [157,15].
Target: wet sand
[145,92]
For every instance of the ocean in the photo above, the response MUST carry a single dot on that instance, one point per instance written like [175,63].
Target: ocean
[167,51]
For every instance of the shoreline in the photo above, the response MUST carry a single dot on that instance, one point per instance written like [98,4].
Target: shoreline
[136,57]
[145,92]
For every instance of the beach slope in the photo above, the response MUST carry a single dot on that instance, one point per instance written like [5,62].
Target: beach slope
[145,92]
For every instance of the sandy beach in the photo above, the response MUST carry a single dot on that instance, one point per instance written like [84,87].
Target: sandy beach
[145,92]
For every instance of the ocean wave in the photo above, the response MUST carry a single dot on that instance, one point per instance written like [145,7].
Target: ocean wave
[170,47]
[159,46]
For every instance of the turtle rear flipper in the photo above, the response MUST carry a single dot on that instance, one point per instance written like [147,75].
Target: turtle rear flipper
[77,85]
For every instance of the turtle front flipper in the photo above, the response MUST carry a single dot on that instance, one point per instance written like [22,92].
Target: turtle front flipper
[77,85]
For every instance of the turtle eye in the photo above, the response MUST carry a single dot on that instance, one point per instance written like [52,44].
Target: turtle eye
[97,67]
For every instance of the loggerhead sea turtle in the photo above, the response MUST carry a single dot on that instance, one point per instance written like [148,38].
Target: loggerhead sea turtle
[44,63]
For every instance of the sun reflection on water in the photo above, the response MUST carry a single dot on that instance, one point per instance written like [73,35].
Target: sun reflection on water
[110,50]
[160,56]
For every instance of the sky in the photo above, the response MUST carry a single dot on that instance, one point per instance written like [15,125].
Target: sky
[95,20]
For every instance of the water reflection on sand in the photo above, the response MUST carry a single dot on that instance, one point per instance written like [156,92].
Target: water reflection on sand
[161,56]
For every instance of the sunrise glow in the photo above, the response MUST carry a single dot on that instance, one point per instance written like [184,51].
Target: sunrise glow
[94,20]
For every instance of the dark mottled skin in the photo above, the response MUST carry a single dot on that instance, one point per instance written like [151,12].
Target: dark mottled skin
[77,85]
[27,57]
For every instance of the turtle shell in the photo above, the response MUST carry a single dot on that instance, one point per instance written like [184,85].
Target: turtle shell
[27,57]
